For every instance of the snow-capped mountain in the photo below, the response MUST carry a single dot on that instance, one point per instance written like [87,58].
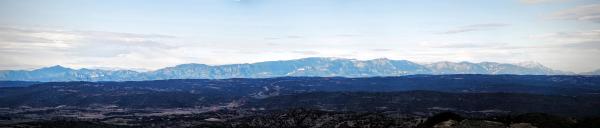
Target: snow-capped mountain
[59,73]
[527,68]
[315,66]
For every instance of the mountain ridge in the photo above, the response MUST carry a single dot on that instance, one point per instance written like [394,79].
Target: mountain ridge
[312,66]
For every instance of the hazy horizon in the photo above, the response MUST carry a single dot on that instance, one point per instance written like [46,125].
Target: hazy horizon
[560,34]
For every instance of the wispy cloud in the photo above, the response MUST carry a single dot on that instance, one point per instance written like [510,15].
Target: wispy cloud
[47,46]
[569,37]
[306,52]
[56,36]
[577,40]
[581,13]
[78,43]
[584,45]
[539,1]
[462,44]
[284,37]
[381,50]
[474,27]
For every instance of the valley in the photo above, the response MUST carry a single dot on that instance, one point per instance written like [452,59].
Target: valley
[404,101]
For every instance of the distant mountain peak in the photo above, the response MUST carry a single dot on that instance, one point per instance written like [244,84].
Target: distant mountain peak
[312,66]
[531,64]
[323,58]
[117,69]
[55,68]
[488,62]
[190,64]
[382,59]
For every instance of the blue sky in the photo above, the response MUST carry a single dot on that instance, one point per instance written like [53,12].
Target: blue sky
[561,34]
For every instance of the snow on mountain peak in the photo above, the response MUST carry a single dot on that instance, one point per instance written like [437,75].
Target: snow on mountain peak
[314,66]
[531,64]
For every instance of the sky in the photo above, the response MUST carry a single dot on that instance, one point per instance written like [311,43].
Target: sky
[152,34]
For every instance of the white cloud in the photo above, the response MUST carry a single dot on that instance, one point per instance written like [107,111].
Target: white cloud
[463,44]
[304,52]
[381,49]
[569,37]
[585,45]
[589,12]
[474,27]
[35,47]
[539,1]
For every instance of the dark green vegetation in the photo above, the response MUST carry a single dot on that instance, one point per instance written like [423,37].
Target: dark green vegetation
[423,101]
[407,101]
[17,83]
[305,118]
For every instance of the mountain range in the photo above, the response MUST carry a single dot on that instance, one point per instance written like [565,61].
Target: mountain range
[314,66]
